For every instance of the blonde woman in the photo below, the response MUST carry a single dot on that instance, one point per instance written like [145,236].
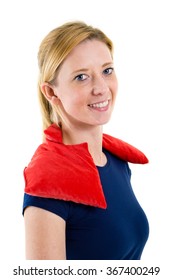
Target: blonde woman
[78,201]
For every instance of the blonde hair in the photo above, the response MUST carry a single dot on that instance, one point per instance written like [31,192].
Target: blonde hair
[53,50]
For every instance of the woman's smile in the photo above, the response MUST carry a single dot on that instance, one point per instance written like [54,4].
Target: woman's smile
[100,106]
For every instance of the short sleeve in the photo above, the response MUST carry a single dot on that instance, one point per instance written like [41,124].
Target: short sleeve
[56,206]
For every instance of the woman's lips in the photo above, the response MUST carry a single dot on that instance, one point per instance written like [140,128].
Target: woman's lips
[100,106]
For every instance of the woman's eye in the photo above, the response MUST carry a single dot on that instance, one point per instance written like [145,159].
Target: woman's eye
[81,77]
[108,71]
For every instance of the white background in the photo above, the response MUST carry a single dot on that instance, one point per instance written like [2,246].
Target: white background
[142,31]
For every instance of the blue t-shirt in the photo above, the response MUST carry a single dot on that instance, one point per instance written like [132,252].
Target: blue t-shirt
[116,233]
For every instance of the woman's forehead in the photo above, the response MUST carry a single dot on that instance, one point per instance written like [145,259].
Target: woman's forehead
[86,51]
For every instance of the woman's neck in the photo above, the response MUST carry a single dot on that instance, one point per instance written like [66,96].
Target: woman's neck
[92,136]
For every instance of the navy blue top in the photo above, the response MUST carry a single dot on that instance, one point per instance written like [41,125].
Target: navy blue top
[116,233]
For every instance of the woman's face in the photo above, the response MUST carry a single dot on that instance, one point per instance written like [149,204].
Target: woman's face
[86,85]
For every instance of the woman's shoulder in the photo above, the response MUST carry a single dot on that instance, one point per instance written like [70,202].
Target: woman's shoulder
[56,206]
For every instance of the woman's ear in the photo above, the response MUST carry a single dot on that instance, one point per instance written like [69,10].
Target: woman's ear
[49,93]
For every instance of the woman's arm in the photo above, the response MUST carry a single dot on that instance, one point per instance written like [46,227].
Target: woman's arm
[44,235]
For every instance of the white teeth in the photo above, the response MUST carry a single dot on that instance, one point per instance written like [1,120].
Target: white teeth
[99,105]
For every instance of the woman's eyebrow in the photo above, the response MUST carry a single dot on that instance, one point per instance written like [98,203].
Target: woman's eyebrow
[86,69]
[107,63]
[79,70]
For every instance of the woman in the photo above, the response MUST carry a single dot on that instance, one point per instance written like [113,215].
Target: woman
[78,201]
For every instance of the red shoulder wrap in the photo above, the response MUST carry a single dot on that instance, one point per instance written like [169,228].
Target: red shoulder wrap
[68,172]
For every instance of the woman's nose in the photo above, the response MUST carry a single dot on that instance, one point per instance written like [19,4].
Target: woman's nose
[100,86]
